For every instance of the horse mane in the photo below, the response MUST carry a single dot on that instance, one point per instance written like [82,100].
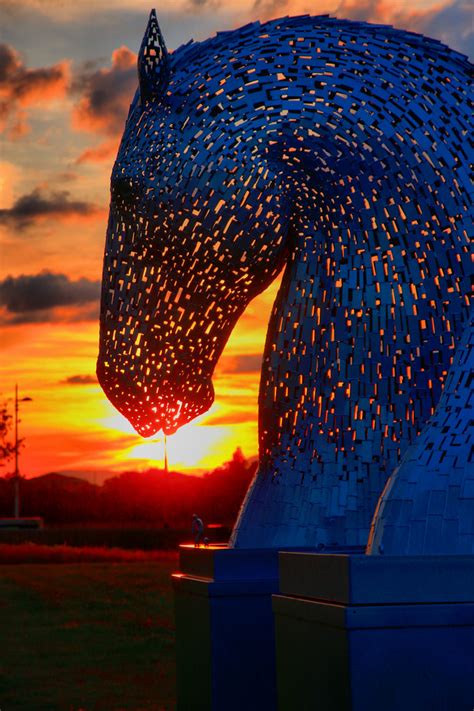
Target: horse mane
[190,51]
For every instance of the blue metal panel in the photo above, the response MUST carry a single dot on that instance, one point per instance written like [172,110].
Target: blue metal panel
[339,149]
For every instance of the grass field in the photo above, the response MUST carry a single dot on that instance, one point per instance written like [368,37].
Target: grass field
[86,636]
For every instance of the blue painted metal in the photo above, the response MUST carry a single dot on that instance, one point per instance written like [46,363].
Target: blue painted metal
[339,149]
[427,506]
[224,629]
[363,633]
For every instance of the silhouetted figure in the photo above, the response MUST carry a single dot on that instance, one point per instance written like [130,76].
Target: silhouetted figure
[197,529]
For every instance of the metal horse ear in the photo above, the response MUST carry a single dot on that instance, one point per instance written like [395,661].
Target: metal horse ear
[153,62]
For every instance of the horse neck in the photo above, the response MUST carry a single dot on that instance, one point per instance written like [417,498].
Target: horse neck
[339,359]
[302,358]
[341,353]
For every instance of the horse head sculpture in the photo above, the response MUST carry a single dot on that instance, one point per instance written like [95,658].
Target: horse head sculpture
[334,148]
[189,216]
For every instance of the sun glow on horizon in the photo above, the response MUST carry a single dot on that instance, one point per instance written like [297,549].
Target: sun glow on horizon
[58,146]
[190,448]
[71,426]
[196,446]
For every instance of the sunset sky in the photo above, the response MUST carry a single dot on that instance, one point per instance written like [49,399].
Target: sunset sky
[67,76]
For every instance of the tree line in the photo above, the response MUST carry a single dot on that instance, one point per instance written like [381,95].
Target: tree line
[166,499]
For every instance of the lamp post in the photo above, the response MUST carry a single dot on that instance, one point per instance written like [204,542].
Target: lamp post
[16,475]
[166,455]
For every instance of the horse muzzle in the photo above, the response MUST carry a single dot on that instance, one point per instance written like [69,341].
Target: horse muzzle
[157,403]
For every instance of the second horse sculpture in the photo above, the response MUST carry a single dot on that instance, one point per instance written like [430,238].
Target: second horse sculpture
[338,149]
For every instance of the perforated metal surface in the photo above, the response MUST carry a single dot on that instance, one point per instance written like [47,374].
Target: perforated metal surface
[341,150]
[428,505]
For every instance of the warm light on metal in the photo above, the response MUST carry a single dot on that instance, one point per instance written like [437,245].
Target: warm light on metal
[338,149]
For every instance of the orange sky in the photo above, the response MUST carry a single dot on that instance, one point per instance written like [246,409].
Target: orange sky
[67,76]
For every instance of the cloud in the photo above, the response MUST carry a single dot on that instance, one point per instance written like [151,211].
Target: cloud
[104,99]
[79,380]
[364,10]
[203,4]
[67,176]
[35,298]
[9,179]
[39,205]
[270,8]
[21,87]
[106,94]
[231,417]
[251,363]
[70,12]
[45,290]
[99,154]
[449,22]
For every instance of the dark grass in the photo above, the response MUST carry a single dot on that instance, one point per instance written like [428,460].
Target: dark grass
[38,553]
[110,536]
[126,537]
[87,636]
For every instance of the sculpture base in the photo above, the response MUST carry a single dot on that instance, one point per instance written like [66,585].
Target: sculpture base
[225,629]
[364,633]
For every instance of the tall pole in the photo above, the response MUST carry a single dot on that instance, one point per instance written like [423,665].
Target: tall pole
[166,455]
[16,510]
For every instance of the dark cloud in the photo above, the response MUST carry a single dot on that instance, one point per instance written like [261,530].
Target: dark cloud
[104,98]
[67,177]
[106,94]
[361,10]
[250,363]
[270,8]
[21,87]
[28,294]
[79,380]
[451,23]
[38,205]
[26,318]
[65,314]
[203,4]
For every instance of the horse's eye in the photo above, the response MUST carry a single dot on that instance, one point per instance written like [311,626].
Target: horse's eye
[125,190]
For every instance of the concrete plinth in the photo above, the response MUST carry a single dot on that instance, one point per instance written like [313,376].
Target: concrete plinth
[224,629]
[365,633]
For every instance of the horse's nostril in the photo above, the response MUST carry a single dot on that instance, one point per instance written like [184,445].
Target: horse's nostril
[165,404]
